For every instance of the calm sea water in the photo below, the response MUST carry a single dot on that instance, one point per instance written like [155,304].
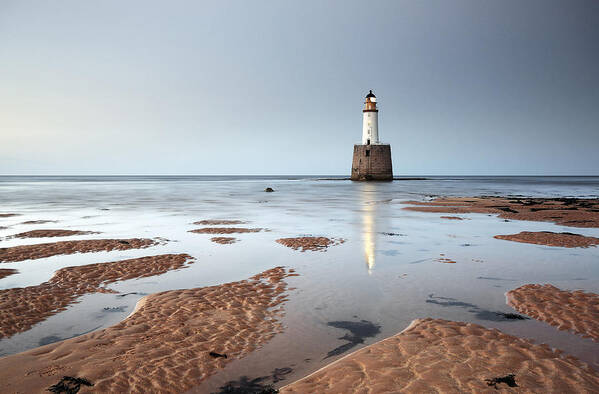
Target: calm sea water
[385,274]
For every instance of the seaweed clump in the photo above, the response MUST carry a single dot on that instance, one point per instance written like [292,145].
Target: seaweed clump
[69,385]
[509,379]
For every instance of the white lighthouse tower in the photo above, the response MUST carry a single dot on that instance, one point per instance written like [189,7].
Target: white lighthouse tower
[370,122]
[372,159]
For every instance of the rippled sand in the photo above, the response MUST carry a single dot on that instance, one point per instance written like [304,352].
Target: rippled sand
[218,222]
[165,345]
[565,211]
[434,355]
[47,233]
[22,307]
[225,230]
[310,243]
[576,311]
[38,251]
[224,240]
[4,272]
[564,240]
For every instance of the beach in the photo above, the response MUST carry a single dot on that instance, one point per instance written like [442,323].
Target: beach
[320,286]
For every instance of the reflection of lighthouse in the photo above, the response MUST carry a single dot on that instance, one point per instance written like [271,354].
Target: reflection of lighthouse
[369,237]
[369,225]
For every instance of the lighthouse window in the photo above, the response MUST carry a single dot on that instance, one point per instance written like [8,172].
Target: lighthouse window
[368,152]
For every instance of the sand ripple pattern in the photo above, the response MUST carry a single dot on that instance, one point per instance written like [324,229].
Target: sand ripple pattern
[573,212]
[218,222]
[51,233]
[224,240]
[576,311]
[564,240]
[22,307]
[164,346]
[225,230]
[435,355]
[39,251]
[310,243]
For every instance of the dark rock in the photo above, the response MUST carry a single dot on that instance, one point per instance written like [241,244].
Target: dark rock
[217,355]
[269,190]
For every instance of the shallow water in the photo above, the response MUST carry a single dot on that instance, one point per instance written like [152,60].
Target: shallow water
[385,274]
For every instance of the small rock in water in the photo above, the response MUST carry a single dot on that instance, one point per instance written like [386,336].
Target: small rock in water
[269,190]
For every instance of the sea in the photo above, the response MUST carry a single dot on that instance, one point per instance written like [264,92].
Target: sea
[371,287]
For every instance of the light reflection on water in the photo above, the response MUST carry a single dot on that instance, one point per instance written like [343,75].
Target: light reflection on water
[384,273]
[369,225]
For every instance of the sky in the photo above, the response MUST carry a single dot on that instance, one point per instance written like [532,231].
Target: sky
[256,87]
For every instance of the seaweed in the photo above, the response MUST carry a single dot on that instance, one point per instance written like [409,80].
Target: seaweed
[479,313]
[279,373]
[69,385]
[246,386]
[357,332]
[509,379]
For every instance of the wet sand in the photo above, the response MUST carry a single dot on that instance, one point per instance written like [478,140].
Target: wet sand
[434,355]
[576,311]
[4,272]
[218,222]
[225,230]
[224,240]
[22,307]
[548,238]
[47,233]
[165,345]
[310,243]
[9,215]
[573,212]
[38,251]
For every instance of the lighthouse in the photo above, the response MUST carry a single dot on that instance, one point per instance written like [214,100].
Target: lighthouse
[372,159]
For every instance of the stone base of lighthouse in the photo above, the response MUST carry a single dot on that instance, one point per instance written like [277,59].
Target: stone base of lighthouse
[372,163]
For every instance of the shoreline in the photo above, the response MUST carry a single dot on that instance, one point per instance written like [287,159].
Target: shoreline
[220,319]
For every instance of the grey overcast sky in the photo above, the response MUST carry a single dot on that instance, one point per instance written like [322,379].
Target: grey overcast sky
[504,87]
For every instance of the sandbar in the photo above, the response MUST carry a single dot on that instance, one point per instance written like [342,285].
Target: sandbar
[165,345]
[573,212]
[434,355]
[225,230]
[9,215]
[310,243]
[38,251]
[22,307]
[218,222]
[224,240]
[548,238]
[47,233]
[576,311]
[4,272]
